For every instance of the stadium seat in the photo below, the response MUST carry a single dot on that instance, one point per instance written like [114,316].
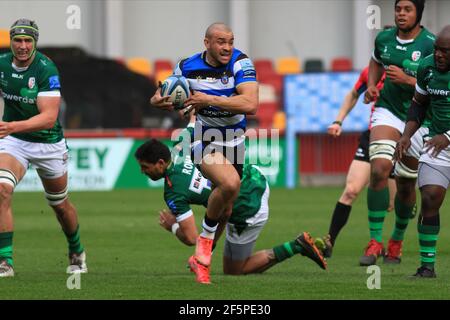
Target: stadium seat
[264,66]
[314,65]
[162,64]
[279,120]
[275,80]
[140,65]
[267,93]
[266,113]
[288,65]
[162,75]
[341,64]
[4,38]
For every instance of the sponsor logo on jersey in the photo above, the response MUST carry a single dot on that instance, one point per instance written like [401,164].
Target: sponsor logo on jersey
[416,55]
[247,68]
[17,76]
[438,92]
[385,54]
[13,97]
[54,82]
[3,82]
[429,75]
[399,47]
[31,82]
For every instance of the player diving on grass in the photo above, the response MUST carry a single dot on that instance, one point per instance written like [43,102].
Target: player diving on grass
[184,185]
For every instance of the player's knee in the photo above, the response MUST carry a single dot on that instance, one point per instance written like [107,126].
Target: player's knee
[379,172]
[351,192]
[8,182]
[429,200]
[5,193]
[233,271]
[231,186]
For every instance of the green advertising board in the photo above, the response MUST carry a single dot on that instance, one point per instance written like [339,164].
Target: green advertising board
[107,164]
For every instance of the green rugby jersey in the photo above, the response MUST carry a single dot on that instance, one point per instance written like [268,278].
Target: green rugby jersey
[391,50]
[436,85]
[20,89]
[184,185]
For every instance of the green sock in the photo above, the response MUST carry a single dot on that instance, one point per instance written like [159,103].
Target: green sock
[403,214]
[6,247]
[287,250]
[428,236]
[73,240]
[377,203]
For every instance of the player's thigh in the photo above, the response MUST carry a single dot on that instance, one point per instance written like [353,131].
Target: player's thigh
[384,133]
[219,170]
[56,184]
[358,175]
[235,255]
[51,164]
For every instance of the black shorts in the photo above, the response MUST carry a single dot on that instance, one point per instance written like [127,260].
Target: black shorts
[236,154]
[362,152]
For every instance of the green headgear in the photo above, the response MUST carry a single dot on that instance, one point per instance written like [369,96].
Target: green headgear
[25,27]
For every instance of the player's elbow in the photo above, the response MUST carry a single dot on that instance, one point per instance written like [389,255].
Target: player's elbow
[252,108]
[49,123]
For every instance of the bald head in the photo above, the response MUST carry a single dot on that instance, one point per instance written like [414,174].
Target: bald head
[445,33]
[217,26]
[442,50]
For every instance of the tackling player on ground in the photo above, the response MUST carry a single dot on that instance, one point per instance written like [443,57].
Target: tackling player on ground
[184,185]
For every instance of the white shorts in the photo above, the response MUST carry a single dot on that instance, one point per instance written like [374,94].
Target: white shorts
[442,159]
[49,159]
[383,117]
[255,223]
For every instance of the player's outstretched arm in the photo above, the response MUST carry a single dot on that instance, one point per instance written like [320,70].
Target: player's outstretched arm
[335,129]
[185,231]
[48,113]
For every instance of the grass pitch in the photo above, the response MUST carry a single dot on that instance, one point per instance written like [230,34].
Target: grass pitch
[131,257]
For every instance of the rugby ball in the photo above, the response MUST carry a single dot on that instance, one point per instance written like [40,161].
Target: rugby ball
[177,87]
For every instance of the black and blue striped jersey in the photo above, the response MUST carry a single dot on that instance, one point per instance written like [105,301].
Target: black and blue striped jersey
[219,81]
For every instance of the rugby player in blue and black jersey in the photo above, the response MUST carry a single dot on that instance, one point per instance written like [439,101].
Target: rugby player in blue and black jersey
[225,90]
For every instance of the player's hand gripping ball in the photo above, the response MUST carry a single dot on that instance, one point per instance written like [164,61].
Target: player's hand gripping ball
[177,87]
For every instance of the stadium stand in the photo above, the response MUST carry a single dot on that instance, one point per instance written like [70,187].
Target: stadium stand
[314,65]
[162,65]
[4,38]
[140,65]
[341,64]
[288,65]
[162,75]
